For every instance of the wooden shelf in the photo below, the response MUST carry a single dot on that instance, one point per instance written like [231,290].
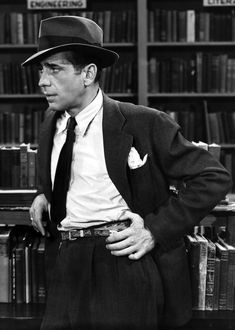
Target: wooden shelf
[34,46]
[15,216]
[216,315]
[192,44]
[42,97]
[22,96]
[191,95]
[21,311]
[21,316]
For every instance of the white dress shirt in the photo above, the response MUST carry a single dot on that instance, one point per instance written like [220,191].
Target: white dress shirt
[92,197]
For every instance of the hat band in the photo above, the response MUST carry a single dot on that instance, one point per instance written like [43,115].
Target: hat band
[53,41]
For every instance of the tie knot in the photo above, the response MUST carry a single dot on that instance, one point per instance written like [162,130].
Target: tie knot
[71,123]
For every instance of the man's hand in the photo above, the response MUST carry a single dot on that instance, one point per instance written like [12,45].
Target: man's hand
[39,205]
[134,241]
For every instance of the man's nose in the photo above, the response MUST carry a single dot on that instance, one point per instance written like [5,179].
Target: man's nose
[44,79]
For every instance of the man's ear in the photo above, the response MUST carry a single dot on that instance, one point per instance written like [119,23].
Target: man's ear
[90,72]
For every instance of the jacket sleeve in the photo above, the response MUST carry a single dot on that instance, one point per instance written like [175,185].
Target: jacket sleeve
[205,183]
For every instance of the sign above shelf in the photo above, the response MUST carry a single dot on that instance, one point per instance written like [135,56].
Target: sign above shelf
[218,3]
[56,4]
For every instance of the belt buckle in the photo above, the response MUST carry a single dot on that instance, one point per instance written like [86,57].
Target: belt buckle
[70,237]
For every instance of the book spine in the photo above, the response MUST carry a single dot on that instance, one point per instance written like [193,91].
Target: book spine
[4,273]
[202,277]
[41,293]
[216,285]
[190,17]
[231,281]
[19,275]
[223,281]
[210,277]
[31,169]
[23,165]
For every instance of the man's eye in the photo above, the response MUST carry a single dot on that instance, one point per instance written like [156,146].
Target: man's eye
[55,70]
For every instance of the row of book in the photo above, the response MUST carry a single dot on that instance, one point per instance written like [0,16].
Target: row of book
[190,25]
[23,275]
[20,127]
[14,79]
[212,270]
[204,72]
[23,27]
[120,78]
[22,266]
[191,120]
[18,167]
[220,125]
[202,121]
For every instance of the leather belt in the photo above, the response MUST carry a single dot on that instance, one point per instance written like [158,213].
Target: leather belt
[102,230]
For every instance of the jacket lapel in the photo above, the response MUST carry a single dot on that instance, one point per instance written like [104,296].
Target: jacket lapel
[117,145]
[46,142]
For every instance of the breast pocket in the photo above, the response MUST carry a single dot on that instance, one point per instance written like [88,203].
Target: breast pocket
[142,189]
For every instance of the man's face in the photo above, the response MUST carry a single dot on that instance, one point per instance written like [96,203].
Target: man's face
[61,83]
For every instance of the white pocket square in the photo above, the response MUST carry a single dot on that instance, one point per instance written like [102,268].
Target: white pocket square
[134,160]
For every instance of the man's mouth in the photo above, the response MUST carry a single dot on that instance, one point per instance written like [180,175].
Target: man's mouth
[50,96]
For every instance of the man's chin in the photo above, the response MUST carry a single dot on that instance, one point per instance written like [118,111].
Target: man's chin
[54,108]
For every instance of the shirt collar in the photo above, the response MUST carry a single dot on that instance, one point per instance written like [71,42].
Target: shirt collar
[83,118]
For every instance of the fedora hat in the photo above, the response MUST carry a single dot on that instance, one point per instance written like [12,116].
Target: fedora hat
[60,33]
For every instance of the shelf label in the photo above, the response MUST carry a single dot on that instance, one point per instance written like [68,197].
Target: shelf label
[56,4]
[217,3]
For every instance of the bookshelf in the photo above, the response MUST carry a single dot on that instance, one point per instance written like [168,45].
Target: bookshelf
[190,51]
[137,50]
[19,92]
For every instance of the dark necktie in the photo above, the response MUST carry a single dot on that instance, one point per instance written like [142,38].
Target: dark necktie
[62,175]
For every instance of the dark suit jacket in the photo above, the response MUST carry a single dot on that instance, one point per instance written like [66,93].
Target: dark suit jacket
[146,189]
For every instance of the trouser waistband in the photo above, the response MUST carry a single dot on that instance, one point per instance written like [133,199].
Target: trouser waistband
[102,230]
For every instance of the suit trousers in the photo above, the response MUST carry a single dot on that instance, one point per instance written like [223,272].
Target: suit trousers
[90,289]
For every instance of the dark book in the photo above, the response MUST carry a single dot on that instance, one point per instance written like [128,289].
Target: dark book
[157,24]
[150,26]
[15,167]
[24,165]
[210,276]
[5,264]
[153,75]
[214,127]
[41,272]
[231,275]
[193,248]
[32,153]
[163,25]
[207,124]
[182,27]
[20,270]
[222,254]
[199,71]
[6,166]
[216,284]
[34,269]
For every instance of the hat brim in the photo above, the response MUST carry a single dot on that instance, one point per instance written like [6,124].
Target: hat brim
[104,56]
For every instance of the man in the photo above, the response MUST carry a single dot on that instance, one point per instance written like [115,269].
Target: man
[116,216]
